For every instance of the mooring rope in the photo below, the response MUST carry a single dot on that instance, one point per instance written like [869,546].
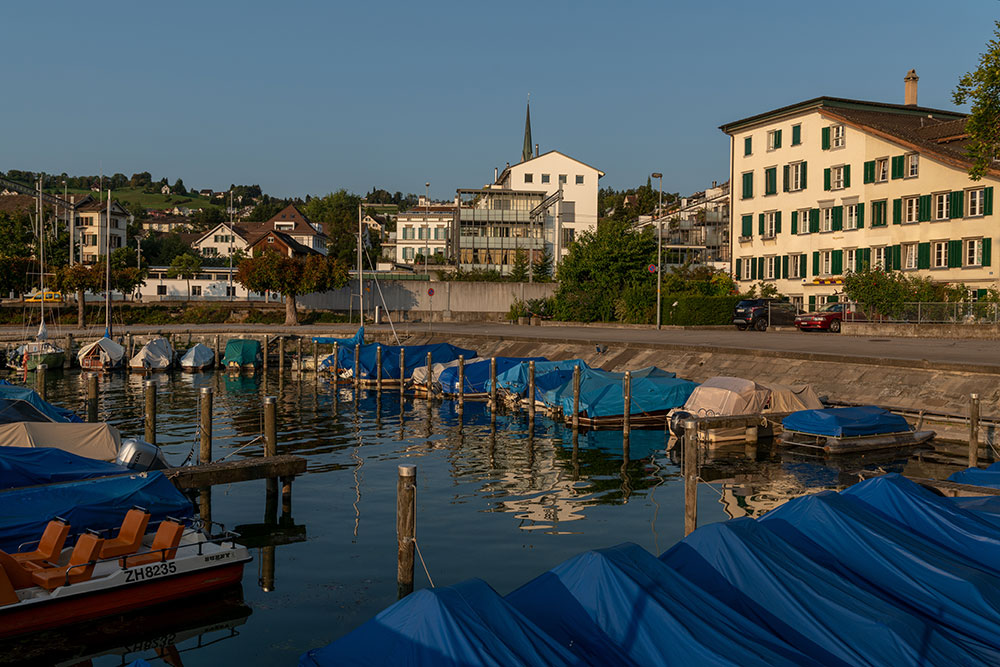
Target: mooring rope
[422,561]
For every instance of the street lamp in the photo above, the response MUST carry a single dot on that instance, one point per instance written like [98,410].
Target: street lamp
[427,224]
[659,250]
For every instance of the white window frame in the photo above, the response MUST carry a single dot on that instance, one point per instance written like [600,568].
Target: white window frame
[940,204]
[803,221]
[770,139]
[769,225]
[972,252]
[795,176]
[826,219]
[770,267]
[851,259]
[911,209]
[850,216]
[879,253]
[939,254]
[881,170]
[912,168]
[801,265]
[838,136]
[746,267]
[826,262]
[837,177]
[974,196]
[909,252]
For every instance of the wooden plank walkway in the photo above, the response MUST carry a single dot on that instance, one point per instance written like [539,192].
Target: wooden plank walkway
[954,489]
[237,470]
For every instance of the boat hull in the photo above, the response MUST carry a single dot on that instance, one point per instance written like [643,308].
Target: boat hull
[868,443]
[50,359]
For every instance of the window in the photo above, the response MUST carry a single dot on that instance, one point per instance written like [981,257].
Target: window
[567,211]
[940,255]
[747,230]
[569,236]
[851,258]
[837,178]
[973,252]
[880,257]
[879,209]
[912,165]
[796,176]
[579,179]
[407,232]
[803,222]
[941,206]
[748,146]
[161,290]
[439,233]
[408,253]
[770,267]
[975,205]
[562,179]
[826,262]
[210,252]
[423,233]
[909,255]
[911,206]
[748,185]
[770,228]
[545,178]
[826,219]
[195,290]
[837,132]
[529,178]
[797,266]
[882,170]
[851,219]
[230,290]
[796,135]
[773,140]
[771,181]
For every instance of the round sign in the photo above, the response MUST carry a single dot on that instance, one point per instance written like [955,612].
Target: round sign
[430,291]
[652,268]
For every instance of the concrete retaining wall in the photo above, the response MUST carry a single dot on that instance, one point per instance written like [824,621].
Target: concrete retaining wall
[904,330]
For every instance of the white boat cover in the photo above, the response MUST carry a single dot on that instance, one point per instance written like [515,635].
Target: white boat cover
[791,398]
[727,396]
[93,441]
[419,375]
[198,356]
[155,355]
[110,351]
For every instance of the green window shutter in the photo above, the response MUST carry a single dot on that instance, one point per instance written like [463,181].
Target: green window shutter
[897,166]
[988,201]
[924,256]
[748,146]
[777,138]
[867,258]
[897,254]
[739,266]
[981,293]
[803,175]
[795,222]
[753,268]
[957,205]
[747,225]
[777,222]
[954,254]
[826,138]
[897,211]
[760,268]
[838,219]
[812,303]
[748,185]
[813,220]
[861,215]
[837,262]
[815,263]
[771,181]
[869,172]
[784,178]
[987,251]
[760,224]
[826,178]
[796,135]
[847,175]
[784,266]
[924,208]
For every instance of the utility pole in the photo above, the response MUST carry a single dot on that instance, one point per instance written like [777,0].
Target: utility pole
[659,252]
[361,285]
[232,233]
[427,225]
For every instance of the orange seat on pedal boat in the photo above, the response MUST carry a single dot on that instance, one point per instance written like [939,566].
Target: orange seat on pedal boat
[130,535]
[50,546]
[17,574]
[7,593]
[80,568]
[164,546]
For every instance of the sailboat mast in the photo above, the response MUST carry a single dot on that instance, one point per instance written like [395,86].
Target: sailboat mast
[41,251]
[107,278]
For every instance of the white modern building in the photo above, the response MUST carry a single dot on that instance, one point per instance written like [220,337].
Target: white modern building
[423,231]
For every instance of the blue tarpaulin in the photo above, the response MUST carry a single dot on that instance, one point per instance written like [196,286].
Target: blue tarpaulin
[28,466]
[477,374]
[846,422]
[457,626]
[515,379]
[416,355]
[978,476]
[654,390]
[97,504]
[357,339]
[54,412]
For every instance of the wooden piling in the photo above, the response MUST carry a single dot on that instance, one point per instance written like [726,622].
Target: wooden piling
[627,396]
[973,430]
[298,354]
[461,381]
[402,378]
[750,435]
[68,358]
[357,369]
[493,392]
[315,357]
[270,426]
[150,388]
[378,369]
[430,376]
[215,356]
[92,397]
[205,452]
[576,398]
[267,568]
[286,496]
[281,355]
[267,344]
[531,390]
[406,520]
[40,372]
[690,451]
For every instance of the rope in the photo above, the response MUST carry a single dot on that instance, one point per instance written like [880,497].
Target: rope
[709,485]
[235,451]
[422,561]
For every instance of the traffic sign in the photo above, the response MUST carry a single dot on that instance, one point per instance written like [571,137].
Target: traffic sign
[652,268]
[430,291]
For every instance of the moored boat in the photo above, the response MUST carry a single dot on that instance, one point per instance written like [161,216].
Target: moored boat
[242,354]
[32,355]
[156,355]
[102,355]
[850,430]
[197,358]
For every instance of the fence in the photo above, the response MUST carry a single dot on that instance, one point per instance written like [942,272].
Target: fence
[958,312]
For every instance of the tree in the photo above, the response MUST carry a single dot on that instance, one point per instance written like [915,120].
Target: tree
[982,89]
[16,236]
[81,279]
[542,268]
[290,277]
[266,209]
[185,266]
[141,180]
[519,269]
[178,188]
[338,211]
[160,250]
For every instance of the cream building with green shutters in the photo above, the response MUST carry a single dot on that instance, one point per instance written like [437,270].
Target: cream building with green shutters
[830,185]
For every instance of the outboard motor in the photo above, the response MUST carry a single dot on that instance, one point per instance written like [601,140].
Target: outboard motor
[677,418]
[140,456]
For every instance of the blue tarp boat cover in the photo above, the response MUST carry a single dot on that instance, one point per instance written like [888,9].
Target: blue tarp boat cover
[654,390]
[477,374]
[357,339]
[242,352]
[515,379]
[54,412]
[457,626]
[97,504]
[416,355]
[846,422]
[26,466]
[978,476]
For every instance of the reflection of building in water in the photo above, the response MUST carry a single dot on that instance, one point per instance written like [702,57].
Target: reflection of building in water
[771,485]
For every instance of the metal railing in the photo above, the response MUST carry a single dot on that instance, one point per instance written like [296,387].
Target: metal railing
[958,312]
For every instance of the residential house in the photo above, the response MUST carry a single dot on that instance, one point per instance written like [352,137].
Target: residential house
[291,221]
[206,193]
[166,223]
[222,240]
[831,185]
[94,233]
[423,231]
[282,242]
[699,222]
[165,189]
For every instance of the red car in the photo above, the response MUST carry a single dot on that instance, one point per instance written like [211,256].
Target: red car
[829,317]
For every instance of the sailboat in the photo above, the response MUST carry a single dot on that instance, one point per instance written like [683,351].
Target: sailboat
[104,354]
[41,351]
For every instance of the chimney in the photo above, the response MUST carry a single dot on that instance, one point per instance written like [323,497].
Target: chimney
[496,174]
[910,90]
[536,150]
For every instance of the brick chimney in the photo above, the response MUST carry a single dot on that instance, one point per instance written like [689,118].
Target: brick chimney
[910,88]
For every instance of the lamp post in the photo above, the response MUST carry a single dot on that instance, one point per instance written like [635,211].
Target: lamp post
[427,226]
[231,234]
[659,250]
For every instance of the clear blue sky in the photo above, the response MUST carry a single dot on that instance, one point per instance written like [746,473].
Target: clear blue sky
[308,97]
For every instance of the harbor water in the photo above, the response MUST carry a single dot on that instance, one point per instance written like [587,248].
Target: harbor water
[501,500]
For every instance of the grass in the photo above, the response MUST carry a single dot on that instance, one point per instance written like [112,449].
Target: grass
[151,200]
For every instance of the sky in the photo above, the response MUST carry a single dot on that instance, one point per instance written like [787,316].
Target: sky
[310,97]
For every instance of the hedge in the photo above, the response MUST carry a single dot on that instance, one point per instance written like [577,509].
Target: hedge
[699,310]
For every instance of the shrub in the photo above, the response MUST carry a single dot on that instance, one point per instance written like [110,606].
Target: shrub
[699,310]
[517,309]
[637,304]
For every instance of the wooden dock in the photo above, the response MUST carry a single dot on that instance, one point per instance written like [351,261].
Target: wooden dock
[238,470]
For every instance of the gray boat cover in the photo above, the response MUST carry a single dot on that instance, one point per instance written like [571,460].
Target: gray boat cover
[94,441]
[109,350]
[155,355]
[198,356]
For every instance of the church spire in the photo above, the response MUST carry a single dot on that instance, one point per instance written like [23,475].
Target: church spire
[526,151]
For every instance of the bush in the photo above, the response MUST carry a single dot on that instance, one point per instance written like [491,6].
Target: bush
[699,310]
[637,304]
[517,309]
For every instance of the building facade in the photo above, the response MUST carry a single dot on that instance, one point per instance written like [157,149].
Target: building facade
[423,231]
[91,229]
[831,185]
[222,240]
[293,222]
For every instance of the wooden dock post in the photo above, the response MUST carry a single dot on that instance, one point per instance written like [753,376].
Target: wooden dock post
[627,396]
[357,368]
[281,355]
[130,345]
[430,376]
[461,381]
[298,354]
[973,430]
[40,372]
[750,435]
[150,389]
[576,398]
[493,384]
[68,359]
[531,390]
[378,369]
[205,452]
[92,397]
[336,363]
[406,523]
[402,379]
[267,344]
[270,426]
[315,357]
[215,357]
[690,476]
[267,568]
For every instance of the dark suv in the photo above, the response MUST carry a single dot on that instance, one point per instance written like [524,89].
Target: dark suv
[753,313]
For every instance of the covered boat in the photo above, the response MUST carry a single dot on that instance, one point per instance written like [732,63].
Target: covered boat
[198,358]
[31,355]
[156,355]
[242,354]
[103,354]
[476,373]
[53,412]
[418,377]
[414,357]
[20,466]
[847,430]
[96,441]
[515,379]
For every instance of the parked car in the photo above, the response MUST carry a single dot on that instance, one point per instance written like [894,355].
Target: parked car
[829,317]
[50,297]
[759,313]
